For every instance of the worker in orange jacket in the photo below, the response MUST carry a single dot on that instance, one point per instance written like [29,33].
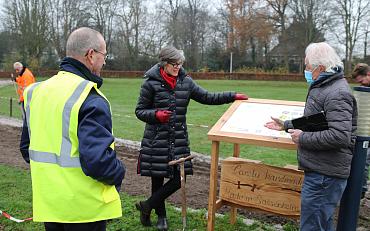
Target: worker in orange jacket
[24,78]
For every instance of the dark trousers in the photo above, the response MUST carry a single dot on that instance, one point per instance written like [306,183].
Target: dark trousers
[161,191]
[91,226]
[21,104]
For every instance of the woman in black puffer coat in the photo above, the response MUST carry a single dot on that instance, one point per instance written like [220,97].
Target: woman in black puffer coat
[162,105]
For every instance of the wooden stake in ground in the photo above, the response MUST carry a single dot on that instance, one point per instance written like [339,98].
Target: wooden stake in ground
[181,162]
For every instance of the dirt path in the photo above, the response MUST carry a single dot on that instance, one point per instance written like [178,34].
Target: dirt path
[198,184]
[5,82]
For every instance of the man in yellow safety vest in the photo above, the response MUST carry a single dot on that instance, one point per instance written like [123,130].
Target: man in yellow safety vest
[67,139]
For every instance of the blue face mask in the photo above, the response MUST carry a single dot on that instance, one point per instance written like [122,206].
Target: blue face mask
[308,77]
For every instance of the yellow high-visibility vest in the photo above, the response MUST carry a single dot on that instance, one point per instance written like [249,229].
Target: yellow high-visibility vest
[61,191]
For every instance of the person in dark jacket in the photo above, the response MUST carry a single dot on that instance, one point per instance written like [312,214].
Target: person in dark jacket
[325,156]
[361,74]
[162,105]
[94,165]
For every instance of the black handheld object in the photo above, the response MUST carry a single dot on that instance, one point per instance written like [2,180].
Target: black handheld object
[311,123]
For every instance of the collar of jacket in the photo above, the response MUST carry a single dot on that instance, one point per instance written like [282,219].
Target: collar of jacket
[154,73]
[76,67]
[327,77]
[22,71]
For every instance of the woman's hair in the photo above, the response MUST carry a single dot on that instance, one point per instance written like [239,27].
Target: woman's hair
[170,54]
[81,40]
[323,54]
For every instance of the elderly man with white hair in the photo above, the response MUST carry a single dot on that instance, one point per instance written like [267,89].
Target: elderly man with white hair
[324,155]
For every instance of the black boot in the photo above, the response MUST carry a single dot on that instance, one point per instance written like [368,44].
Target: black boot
[144,213]
[162,224]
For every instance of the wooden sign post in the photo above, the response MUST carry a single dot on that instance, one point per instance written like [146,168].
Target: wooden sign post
[247,183]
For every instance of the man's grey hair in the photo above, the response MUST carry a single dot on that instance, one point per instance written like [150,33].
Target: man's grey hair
[81,40]
[323,54]
[17,65]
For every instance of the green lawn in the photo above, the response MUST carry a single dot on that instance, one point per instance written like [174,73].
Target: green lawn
[123,94]
[16,199]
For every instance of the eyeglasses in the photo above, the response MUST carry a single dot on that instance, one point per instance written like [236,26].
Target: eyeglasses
[176,65]
[104,54]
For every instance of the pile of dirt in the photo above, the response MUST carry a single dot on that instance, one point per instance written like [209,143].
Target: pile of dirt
[134,184]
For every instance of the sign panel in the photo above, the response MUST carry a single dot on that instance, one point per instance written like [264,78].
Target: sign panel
[249,118]
[253,184]
[243,123]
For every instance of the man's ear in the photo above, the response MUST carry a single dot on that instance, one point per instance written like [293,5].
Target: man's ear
[322,68]
[89,56]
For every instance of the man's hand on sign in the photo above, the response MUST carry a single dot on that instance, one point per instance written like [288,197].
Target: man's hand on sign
[275,124]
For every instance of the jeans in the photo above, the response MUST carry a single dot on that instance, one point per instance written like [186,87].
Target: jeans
[366,172]
[319,197]
[161,191]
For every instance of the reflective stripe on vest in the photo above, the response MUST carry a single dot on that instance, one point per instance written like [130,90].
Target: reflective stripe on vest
[29,96]
[64,160]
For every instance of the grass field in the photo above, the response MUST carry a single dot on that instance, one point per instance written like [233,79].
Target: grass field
[123,95]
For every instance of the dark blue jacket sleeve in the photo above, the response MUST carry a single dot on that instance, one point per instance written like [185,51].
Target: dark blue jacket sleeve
[25,141]
[97,159]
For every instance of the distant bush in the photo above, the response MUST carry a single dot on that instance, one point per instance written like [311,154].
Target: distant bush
[258,70]
[204,69]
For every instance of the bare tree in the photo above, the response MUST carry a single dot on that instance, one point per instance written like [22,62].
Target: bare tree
[279,19]
[310,21]
[65,16]
[366,32]
[193,21]
[130,23]
[186,26]
[173,23]
[351,13]
[153,35]
[28,21]
[311,14]
[103,17]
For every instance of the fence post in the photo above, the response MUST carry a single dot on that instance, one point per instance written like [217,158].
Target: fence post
[11,107]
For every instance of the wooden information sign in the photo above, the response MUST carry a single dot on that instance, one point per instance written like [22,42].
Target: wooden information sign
[253,184]
[275,190]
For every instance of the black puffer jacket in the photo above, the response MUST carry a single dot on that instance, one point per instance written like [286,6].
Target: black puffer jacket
[165,142]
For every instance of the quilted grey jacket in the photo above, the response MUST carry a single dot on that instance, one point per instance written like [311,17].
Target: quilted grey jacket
[329,152]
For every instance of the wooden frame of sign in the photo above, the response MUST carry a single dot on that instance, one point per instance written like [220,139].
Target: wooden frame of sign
[238,136]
